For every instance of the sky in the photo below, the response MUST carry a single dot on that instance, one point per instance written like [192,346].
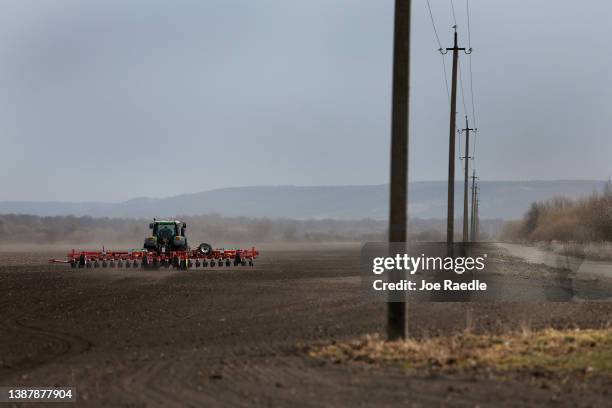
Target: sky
[107,100]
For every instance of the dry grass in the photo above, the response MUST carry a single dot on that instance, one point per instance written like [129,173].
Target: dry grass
[548,351]
[560,219]
[600,251]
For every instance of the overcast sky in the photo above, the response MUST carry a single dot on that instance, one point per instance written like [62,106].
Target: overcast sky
[110,100]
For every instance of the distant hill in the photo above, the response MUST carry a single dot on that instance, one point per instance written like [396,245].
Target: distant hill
[499,199]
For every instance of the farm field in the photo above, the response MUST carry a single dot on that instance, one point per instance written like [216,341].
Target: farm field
[240,336]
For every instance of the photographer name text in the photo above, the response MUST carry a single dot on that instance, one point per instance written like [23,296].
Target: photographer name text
[425,286]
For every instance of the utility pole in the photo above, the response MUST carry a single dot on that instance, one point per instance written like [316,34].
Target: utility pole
[472,219]
[450,217]
[396,311]
[465,178]
[476,216]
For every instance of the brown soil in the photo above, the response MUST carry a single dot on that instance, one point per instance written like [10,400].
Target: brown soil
[237,336]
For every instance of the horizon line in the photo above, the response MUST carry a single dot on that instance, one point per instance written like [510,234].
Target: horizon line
[286,186]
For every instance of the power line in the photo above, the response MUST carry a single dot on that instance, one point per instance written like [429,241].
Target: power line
[467,6]
[453,9]
[446,78]
[434,25]
[467,9]
[465,111]
[474,227]
[472,89]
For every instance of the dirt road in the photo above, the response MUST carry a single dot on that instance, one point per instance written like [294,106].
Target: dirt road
[236,336]
[537,255]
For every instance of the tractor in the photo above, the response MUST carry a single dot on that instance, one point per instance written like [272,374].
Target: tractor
[166,246]
[168,236]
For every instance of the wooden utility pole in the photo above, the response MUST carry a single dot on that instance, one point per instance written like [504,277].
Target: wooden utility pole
[465,179]
[476,216]
[450,216]
[472,218]
[396,311]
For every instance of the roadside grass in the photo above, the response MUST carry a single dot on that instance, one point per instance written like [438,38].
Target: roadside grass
[543,353]
[596,251]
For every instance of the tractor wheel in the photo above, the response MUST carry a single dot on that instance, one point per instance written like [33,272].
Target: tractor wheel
[205,249]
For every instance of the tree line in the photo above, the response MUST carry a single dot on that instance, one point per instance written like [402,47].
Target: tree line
[561,219]
[16,228]
[214,229]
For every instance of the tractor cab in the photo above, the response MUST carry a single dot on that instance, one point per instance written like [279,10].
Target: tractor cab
[166,236]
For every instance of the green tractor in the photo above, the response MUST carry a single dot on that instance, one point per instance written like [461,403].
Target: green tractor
[168,236]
